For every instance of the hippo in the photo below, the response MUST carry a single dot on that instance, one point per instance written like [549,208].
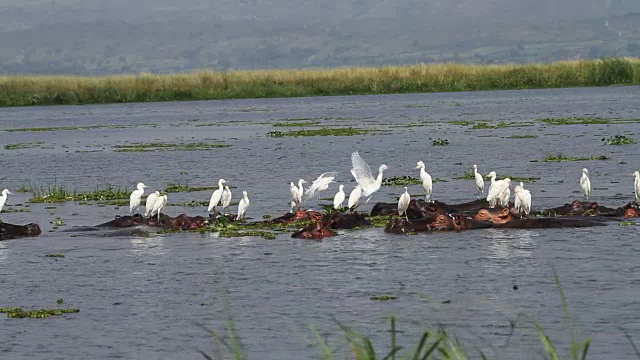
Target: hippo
[439,222]
[583,208]
[346,221]
[495,215]
[11,231]
[316,231]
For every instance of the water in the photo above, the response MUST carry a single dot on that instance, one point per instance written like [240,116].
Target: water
[144,298]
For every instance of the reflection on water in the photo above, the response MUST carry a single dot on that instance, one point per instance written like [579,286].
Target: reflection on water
[510,243]
[151,245]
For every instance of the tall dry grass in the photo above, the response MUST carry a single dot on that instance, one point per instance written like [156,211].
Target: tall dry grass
[207,85]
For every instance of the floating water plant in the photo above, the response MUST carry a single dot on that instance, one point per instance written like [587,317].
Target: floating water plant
[383,297]
[439,142]
[618,140]
[559,157]
[141,147]
[58,193]
[400,180]
[67,128]
[174,188]
[576,121]
[26,145]
[56,255]
[521,137]
[321,132]
[38,314]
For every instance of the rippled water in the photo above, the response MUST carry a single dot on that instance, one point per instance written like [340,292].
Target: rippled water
[143,298]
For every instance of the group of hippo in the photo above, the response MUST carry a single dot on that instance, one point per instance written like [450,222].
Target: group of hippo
[421,216]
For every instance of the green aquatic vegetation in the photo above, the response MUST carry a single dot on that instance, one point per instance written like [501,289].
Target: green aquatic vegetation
[400,180]
[439,142]
[193,203]
[521,137]
[55,255]
[482,125]
[25,145]
[627,223]
[383,297]
[294,124]
[58,193]
[461,122]
[379,220]
[559,157]
[23,189]
[618,140]
[14,210]
[174,188]
[576,121]
[321,132]
[67,128]
[264,234]
[38,314]
[142,147]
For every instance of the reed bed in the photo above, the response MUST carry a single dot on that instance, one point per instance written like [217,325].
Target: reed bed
[209,85]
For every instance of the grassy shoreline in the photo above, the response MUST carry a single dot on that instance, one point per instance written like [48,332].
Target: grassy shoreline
[210,85]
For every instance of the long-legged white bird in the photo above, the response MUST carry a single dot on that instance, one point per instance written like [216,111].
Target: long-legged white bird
[243,206]
[496,191]
[403,203]
[354,198]
[585,183]
[522,200]
[158,205]
[427,183]
[217,195]
[362,173]
[636,185]
[492,175]
[151,199]
[135,197]
[479,181]
[3,198]
[321,183]
[338,199]
[504,197]
[297,192]
[226,199]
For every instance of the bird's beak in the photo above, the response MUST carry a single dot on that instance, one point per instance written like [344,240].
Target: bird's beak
[417,167]
[9,192]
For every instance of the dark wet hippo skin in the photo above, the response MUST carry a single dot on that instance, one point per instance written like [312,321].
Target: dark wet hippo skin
[315,231]
[346,221]
[11,231]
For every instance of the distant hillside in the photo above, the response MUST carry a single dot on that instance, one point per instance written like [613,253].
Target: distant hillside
[100,37]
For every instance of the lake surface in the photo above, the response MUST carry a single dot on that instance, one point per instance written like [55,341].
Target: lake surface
[145,298]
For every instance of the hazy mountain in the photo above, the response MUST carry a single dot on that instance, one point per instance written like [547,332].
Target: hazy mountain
[114,36]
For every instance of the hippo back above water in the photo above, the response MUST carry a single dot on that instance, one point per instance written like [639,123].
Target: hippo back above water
[10,231]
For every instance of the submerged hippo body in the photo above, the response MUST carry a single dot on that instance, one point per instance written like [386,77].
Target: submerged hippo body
[315,231]
[11,231]
[346,221]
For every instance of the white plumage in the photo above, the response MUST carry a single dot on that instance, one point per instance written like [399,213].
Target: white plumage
[243,206]
[296,192]
[585,183]
[522,199]
[158,205]
[427,183]
[321,183]
[226,199]
[338,199]
[354,198]
[497,190]
[362,173]
[479,181]
[217,195]
[636,185]
[151,199]
[403,203]
[135,197]
[3,198]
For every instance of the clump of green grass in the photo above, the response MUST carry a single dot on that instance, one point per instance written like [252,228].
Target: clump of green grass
[482,125]
[618,140]
[321,132]
[461,122]
[55,255]
[58,193]
[439,142]
[296,124]
[400,180]
[383,297]
[25,145]
[140,147]
[560,157]
[174,188]
[38,314]
[576,121]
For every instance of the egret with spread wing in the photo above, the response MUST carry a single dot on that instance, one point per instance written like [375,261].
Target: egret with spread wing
[362,173]
[321,183]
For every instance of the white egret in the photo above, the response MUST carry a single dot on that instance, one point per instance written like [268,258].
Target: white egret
[151,199]
[293,189]
[504,196]
[135,197]
[479,181]
[522,200]
[354,198]
[427,183]
[362,173]
[585,183]
[3,198]
[293,206]
[338,199]
[636,185]
[243,206]
[492,175]
[496,191]
[403,203]
[158,205]
[226,199]
[297,192]
[321,183]
[217,195]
